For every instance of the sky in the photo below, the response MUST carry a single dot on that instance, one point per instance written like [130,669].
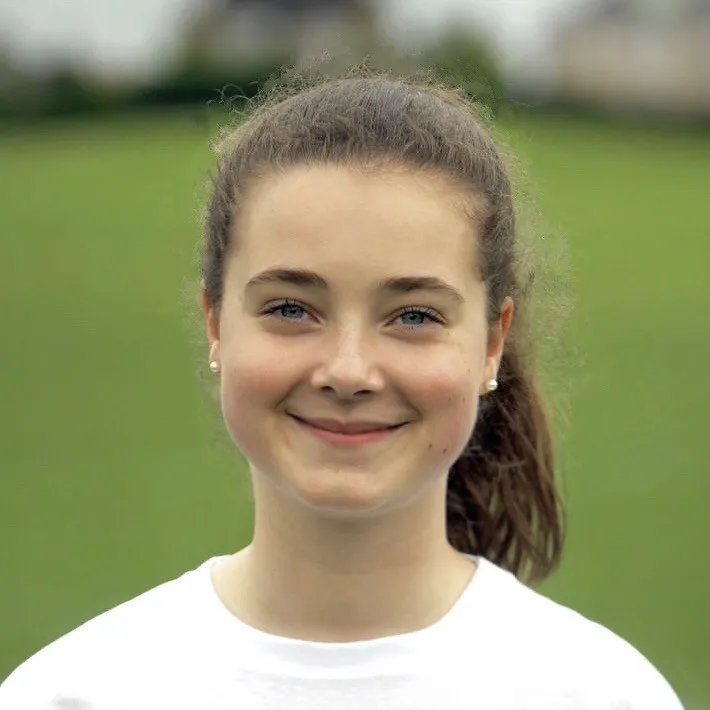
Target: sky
[134,37]
[117,36]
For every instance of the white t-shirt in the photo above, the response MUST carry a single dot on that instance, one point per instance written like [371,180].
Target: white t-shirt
[176,647]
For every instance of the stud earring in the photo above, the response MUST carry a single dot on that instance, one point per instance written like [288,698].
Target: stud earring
[214,367]
[492,385]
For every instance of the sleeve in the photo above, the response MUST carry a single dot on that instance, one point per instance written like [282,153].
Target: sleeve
[22,690]
[37,685]
[634,683]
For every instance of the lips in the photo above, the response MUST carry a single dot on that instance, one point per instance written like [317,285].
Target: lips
[338,427]
[348,433]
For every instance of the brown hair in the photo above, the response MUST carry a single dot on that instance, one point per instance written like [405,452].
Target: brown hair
[502,503]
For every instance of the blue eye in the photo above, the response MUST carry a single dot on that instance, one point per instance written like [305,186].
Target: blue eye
[413,317]
[291,311]
[287,310]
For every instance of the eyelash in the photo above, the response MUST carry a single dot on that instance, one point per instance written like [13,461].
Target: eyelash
[272,309]
[429,313]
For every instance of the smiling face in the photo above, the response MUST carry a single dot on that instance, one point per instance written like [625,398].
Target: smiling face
[352,336]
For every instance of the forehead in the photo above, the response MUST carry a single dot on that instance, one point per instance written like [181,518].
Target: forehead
[372,222]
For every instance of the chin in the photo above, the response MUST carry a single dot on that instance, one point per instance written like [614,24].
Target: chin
[342,492]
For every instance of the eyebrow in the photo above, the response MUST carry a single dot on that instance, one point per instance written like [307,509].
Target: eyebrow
[294,277]
[397,284]
[407,284]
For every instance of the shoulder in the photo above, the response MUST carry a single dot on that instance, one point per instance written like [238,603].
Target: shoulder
[126,639]
[575,655]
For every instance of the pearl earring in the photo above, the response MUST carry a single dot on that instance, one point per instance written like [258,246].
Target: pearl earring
[214,367]
[492,385]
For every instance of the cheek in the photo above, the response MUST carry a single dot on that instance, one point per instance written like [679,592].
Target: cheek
[448,398]
[254,380]
[254,369]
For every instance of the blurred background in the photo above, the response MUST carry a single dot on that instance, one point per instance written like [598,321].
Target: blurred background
[114,471]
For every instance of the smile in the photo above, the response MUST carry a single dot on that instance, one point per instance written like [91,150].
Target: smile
[350,433]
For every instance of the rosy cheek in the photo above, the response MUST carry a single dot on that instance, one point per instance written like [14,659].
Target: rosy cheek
[252,383]
[253,380]
[254,369]
[448,398]
[442,386]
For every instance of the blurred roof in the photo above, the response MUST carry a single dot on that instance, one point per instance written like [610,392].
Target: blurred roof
[645,10]
[290,6]
[136,38]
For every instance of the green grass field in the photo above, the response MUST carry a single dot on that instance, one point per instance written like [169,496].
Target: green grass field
[115,475]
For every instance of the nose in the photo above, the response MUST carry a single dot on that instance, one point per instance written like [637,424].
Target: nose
[347,367]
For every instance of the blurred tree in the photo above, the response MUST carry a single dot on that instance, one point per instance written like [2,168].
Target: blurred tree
[464,59]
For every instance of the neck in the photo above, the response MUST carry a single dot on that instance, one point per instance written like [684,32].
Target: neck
[306,576]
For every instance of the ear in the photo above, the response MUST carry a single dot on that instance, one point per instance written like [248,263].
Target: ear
[496,342]
[211,322]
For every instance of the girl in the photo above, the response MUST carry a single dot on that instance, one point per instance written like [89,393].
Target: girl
[366,317]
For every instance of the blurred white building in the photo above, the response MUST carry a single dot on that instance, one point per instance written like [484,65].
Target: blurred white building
[634,55]
[231,31]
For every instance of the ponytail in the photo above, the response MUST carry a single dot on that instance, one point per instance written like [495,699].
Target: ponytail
[502,500]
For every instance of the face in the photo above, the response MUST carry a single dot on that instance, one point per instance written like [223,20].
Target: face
[352,337]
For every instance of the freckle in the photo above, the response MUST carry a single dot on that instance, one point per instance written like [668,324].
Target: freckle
[445,450]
